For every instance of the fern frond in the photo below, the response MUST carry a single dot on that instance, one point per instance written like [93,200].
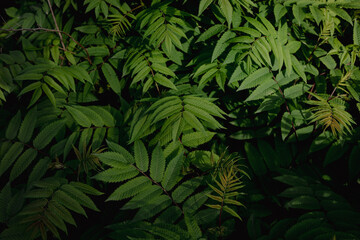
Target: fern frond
[343,83]
[328,27]
[331,114]
[120,25]
[88,159]
[227,171]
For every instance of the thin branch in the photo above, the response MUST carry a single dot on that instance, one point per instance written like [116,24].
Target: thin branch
[141,5]
[332,93]
[49,30]
[56,25]
[311,90]
[153,74]
[312,52]
[80,45]
[343,79]
[2,19]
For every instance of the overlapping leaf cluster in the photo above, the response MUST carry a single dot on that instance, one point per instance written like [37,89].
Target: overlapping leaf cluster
[138,96]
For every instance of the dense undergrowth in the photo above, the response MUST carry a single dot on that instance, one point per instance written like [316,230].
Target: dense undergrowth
[180,120]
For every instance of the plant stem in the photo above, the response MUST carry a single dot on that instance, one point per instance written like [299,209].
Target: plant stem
[163,189]
[152,73]
[314,49]
[56,25]
[287,107]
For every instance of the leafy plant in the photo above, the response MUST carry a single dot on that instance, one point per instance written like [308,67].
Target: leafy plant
[227,183]
[146,93]
[331,113]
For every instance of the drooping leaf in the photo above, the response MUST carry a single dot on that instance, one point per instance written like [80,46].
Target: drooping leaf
[356,33]
[203,5]
[38,170]
[227,10]
[113,175]
[210,32]
[79,117]
[222,44]
[157,165]
[113,159]
[162,80]
[28,76]
[49,94]
[341,13]
[87,189]
[192,121]
[79,196]
[197,138]
[10,156]
[186,189]
[13,127]
[141,156]
[192,226]
[111,77]
[129,189]
[296,90]
[92,115]
[47,134]
[194,202]
[28,125]
[22,163]
[286,125]
[117,148]
[98,51]
[143,198]
[172,171]
[153,207]
[255,78]
[68,202]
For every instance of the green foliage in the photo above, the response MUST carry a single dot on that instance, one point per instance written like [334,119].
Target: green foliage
[48,209]
[136,98]
[331,113]
[226,189]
